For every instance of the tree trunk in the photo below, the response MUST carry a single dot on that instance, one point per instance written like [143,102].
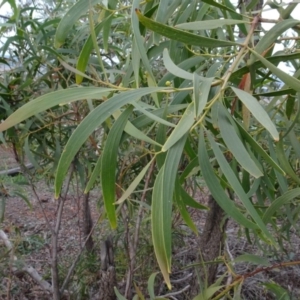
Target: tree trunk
[87,223]
[210,246]
[107,274]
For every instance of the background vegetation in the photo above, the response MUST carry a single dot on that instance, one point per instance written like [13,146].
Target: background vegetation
[151,104]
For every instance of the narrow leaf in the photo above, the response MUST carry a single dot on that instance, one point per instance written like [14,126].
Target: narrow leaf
[259,150]
[271,36]
[109,166]
[47,101]
[85,53]
[183,126]
[134,183]
[182,36]
[174,69]
[70,18]
[279,202]
[216,189]
[285,164]
[140,44]
[152,116]
[161,210]
[236,186]
[182,208]
[257,111]
[286,78]
[95,174]
[151,286]
[206,25]
[201,92]
[89,124]
[251,258]
[236,146]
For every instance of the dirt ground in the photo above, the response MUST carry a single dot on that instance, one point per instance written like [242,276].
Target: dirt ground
[27,229]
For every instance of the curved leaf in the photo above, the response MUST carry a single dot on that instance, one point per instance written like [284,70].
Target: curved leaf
[161,210]
[280,201]
[52,99]
[70,18]
[236,146]
[109,166]
[286,78]
[182,36]
[183,126]
[257,111]
[89,124]
[237,188]
[271,36]
[216,189]
[210,24]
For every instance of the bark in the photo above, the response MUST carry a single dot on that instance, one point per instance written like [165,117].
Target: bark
[87,224]
[212,239]
[211,246]
[107,273]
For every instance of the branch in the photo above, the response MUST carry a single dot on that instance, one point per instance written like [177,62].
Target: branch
[15,171]
[27,269]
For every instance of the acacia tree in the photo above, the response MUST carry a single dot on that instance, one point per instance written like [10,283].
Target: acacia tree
[173,84]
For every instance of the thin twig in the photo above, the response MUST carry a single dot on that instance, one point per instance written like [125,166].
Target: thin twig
[176,293]
[27,175]
[71,269]
[132,244]
[54,247]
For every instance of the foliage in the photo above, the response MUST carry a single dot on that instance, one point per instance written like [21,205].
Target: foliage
[170,82]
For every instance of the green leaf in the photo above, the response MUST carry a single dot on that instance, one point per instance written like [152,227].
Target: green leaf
[185,65]
[189,201]
[161,210]
[208,292]
[70,18]
[109,166]
[182,208]
[276,59]
[271,36]
[236,146]
[140,45]
[183,126]
[151,285]
[133,131]
[206,25]
[182,36]
[151,115]
[251,258]
[216,189]
[119,296]
[143,120]
[236,186]
[257,111]
[285,164]
[279,202]
[47,101]
[89,124]
[95,174]
[201,92]
[259,150]
[174,69]
[134,183]
[86,51]
[30,156]
[287,79]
